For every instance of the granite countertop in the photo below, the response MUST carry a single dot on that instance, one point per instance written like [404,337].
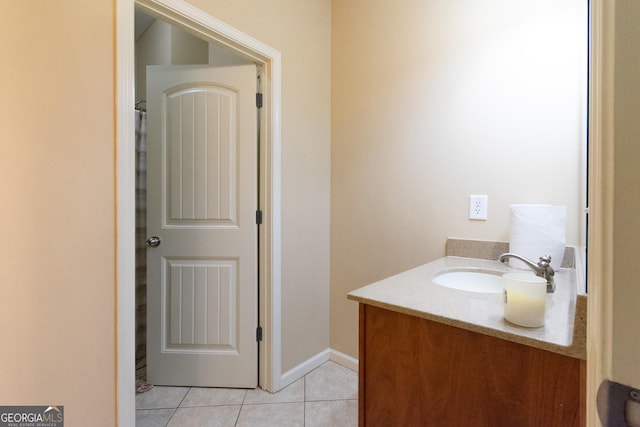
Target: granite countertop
[413,292]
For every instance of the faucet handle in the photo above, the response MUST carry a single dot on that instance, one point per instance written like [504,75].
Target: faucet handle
[547,272]
[545,261]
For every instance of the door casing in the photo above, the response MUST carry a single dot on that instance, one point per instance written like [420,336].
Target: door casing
[193,20]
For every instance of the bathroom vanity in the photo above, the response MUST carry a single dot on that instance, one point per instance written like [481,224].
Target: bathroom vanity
[435,356]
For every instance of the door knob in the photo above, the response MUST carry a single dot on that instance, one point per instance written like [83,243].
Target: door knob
[153,241]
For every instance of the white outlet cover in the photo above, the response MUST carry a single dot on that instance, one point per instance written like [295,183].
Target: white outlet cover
[478,207]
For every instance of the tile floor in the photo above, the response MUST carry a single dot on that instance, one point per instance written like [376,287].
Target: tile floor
[327,396]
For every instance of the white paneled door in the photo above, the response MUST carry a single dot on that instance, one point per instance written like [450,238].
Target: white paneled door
[202,198]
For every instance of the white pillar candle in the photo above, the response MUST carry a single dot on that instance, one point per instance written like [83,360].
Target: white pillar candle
[525,298]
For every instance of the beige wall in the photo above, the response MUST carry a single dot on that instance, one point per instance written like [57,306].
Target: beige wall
[626,233]
[57,172]
[301,32]
[433,101]
[57,222]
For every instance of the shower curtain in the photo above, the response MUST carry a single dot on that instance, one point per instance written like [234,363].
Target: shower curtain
[141,236]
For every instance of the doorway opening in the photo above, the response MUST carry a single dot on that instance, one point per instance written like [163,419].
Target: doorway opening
[226,39]
[170,51]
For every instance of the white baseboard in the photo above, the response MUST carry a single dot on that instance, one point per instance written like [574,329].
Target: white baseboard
[303,368]
[294,374]
[343,359]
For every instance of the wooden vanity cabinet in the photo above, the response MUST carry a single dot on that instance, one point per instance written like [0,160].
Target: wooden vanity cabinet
[417,372]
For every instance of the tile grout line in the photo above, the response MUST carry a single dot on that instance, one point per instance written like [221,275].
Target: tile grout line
[304,401]
[305,385]
[171,417]
[244,399]
[176,408]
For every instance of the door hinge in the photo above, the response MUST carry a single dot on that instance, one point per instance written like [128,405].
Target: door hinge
[259,100]
[259,333]
[258,217]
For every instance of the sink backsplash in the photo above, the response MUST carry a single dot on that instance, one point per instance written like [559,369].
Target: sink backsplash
[482,249]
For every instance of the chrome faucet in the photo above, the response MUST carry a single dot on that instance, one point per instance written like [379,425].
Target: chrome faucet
[542,268]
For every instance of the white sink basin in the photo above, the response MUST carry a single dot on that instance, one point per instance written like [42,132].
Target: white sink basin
[471,280]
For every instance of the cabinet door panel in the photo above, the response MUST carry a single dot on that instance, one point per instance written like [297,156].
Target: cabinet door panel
[420,372]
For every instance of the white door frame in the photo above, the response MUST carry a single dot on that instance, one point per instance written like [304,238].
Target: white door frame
[600,346]
[206,27]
